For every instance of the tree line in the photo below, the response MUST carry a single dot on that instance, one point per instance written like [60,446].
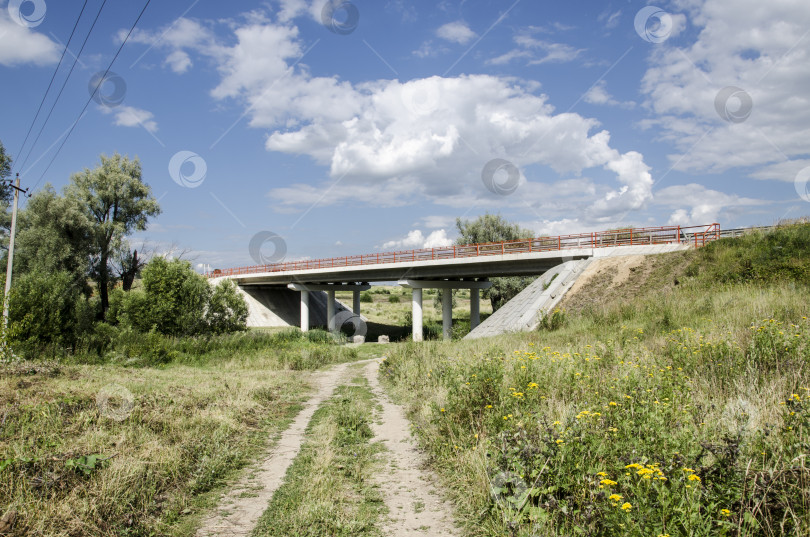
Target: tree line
[75,271]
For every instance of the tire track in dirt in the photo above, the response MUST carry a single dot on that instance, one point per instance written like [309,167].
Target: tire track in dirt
[415,506]
[240,508]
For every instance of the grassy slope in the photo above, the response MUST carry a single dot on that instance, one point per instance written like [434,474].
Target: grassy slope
[596,428]
[190,428]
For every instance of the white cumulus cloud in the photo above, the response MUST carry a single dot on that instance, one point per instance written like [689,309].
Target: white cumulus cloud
[392,142]
[762,49]
[129,116]
[20,45]
[415,240]
[456,32]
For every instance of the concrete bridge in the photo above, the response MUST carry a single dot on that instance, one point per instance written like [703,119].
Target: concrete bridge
[269,288]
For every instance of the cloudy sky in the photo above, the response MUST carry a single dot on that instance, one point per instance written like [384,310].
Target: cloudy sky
[353,127]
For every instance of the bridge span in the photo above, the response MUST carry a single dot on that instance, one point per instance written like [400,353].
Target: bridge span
[452,267]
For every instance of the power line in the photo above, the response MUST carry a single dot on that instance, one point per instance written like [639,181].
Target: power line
[42,102]
[62,89]
[98,85]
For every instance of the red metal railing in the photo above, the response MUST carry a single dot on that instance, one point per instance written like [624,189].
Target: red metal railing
[695,235]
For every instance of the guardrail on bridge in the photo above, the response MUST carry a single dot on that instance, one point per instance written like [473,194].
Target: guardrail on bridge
[694,235]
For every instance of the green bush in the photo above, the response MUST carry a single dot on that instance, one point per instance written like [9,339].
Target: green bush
[177,301]
[393,299]
[432,330]
[365,296]
[227,310]
[318,336]
[461,327]
[42,310]
[553,321]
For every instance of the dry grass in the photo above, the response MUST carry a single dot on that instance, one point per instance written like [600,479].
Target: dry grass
[189,429]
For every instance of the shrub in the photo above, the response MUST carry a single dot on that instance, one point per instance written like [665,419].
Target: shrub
[318,336]
[177,301]
[393,299]
[227,310]
[365,296]
[42,309]
[553,320]
[432,330]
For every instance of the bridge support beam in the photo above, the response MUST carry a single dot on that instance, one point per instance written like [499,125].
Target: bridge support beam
[304,311]
[447,313]
[447,287]
[330,310]
[416,316]
[475,308]
[330,288]
[356,302]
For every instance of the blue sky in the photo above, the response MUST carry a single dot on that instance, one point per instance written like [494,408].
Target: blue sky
[347,136]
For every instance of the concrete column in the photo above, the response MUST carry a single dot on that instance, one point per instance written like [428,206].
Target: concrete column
[304,311]
[330,310]
[447,312]
[475,308]
[356,302]
[417,314]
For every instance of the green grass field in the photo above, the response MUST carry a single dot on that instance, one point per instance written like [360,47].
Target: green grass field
[675,410]
[676,403]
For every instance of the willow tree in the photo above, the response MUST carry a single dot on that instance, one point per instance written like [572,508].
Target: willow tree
[117,203]
[493,228]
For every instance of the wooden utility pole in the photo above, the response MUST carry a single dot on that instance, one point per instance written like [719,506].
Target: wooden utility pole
[17,190]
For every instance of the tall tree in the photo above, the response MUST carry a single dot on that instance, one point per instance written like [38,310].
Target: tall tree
[493,228]
[6,193]
[117,202]
[5,173]
[54,235]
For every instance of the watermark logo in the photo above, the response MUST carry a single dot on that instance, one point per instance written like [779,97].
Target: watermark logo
[27,13]
[802,184]
[740,416]
[653,24]
[733,104]
[258,248]
[344,318]
[421,98]
[115,402]
[500,177]
[188,169]
[340,17]
[508,490]
[107,89]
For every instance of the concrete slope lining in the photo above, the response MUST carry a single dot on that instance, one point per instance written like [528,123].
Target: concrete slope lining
[526,310]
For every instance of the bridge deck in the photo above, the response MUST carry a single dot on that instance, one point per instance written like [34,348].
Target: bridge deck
[508,258]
